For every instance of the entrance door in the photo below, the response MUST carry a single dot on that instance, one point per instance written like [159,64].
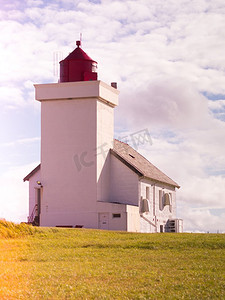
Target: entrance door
[103,221]
[38,202]
[36,221]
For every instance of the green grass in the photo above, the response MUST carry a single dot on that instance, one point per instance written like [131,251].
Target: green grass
[57,263]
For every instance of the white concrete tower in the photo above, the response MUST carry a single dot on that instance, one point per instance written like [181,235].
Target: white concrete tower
[77,127]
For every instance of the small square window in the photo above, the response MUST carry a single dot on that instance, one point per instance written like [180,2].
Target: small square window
[116,215]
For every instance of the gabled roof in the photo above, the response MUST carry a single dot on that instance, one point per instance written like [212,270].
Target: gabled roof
[32,173]
[139,163]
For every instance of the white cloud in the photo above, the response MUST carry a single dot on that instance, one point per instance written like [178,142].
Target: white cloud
[34,3]
[202,192]
[21,142]
[165,102]
[11,95]
[202,220]
[217,105]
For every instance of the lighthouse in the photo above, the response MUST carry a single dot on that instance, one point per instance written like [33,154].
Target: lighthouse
[77,125]
[86,178]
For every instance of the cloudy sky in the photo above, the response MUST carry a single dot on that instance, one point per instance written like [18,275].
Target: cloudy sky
[168,58]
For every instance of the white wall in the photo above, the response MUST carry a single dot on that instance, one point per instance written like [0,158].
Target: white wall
[68,132]
[112,208]
[124,183]
[105,132]
[151,221]
[128,220]
[72,130]
[133,219]
[32,190]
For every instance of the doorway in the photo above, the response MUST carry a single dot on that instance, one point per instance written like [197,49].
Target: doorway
[103,221]
[36,220]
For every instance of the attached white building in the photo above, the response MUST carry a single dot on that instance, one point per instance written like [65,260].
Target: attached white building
[87,179]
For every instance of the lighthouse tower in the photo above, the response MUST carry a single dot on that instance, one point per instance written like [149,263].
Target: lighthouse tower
[77,125]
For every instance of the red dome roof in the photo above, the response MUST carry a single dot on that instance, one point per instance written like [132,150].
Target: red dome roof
[78,54]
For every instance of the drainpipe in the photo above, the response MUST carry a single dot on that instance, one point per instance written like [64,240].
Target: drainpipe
[154,208]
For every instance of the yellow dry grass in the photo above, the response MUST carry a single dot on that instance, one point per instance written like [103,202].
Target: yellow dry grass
[53,263]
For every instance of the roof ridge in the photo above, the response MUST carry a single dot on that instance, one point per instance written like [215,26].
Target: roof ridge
[32,172]
[121,142]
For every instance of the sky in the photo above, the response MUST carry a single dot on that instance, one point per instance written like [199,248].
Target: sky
[168,60]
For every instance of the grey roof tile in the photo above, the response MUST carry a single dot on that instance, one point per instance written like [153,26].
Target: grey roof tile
[139,163]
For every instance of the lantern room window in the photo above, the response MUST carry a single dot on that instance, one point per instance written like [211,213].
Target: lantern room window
[94,67]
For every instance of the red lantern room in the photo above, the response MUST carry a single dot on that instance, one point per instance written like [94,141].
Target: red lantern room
[78,66]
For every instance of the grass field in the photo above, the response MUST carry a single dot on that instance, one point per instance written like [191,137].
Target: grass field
[54,263]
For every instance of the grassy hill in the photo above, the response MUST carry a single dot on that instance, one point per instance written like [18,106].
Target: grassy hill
[57,263]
